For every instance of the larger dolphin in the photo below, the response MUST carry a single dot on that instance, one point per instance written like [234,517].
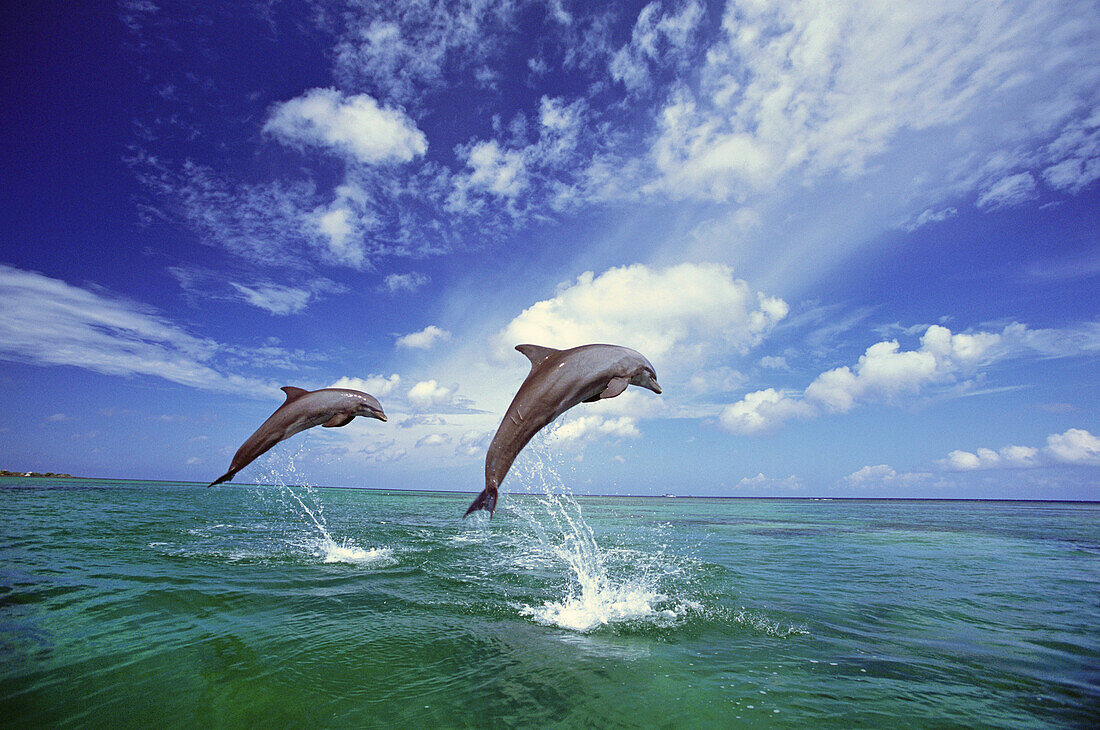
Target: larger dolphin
[329,407]
[559,380]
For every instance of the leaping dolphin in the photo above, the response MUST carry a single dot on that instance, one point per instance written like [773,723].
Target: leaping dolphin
[329,407]
[559,380]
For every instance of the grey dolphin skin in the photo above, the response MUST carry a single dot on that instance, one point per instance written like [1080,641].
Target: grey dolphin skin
[329,407]
[559,380]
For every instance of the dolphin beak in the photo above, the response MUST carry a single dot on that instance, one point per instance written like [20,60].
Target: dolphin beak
[379,415]
[656,388]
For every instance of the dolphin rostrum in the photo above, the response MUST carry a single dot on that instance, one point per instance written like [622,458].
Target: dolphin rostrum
[329,407]
[559,380]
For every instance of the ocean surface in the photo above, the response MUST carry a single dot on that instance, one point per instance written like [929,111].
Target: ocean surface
[138,604]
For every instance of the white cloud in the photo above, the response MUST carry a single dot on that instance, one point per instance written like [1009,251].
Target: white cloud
[407,49]
[758,482]
[763,411]
[356,126]
[658,39]
[49,322]
[428,393]
[281,299]
[773,362]
[377,385]
[715,380]
[275,299]
[424,339]
[883,374]
[498,171]
[433,439]
[673,316]
[473,443]
[580,429]
[337,228]
[929,215]
[366,449]
[883,475]
[1008,191]
[817,88]
[410,282]
[1075,446]
[1007,457]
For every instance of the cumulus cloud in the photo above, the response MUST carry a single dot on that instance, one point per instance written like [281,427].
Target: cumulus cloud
[473,443]
[763,411]
[377,385]
[433,439]
[887,374]
[765,483]
[424,339]
[355,126]
[673,316]
[883,475]
[1075,446]
[428,393]
[581,429]
[410,282]
[49,322]
[496,170]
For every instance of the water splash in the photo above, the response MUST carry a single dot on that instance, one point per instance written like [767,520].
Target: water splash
[607,586]
[298,498]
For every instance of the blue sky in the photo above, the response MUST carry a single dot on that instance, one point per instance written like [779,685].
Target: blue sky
[859,241]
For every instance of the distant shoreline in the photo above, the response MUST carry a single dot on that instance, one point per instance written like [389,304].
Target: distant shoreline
[47,475]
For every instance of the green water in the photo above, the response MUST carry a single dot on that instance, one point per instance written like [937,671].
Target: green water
[150,604]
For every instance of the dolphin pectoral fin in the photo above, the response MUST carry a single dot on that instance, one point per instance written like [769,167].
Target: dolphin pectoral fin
[293,393]
[615,387]
[340,419]
[487,501]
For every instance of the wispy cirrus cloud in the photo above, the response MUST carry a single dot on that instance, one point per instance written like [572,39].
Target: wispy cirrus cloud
[811,89]
[47,321]
[278,299]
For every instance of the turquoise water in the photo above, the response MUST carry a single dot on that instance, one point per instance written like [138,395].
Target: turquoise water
[133,604]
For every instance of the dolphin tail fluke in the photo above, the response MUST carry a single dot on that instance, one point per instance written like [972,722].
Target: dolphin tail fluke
[223,478]
[487,501]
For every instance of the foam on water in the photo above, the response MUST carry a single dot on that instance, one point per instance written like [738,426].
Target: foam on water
[304,502]
[595,596]
[347,551]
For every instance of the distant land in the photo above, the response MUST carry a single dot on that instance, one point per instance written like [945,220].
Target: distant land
[6,473]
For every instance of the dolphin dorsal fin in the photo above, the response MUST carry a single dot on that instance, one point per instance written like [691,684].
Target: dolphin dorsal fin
[536,353]
[293,393]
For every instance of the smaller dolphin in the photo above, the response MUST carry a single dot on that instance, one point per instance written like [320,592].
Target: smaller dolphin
[559,380]
[328,407]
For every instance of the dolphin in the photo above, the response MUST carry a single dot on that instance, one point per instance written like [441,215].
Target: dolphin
[328,407]
[559,380]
